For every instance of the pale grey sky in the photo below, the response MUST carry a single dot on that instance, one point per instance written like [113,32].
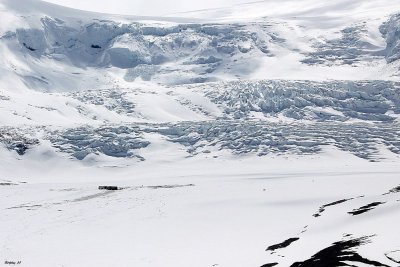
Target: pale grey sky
[145,7]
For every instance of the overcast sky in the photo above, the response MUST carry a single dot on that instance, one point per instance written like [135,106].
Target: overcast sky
[145,7]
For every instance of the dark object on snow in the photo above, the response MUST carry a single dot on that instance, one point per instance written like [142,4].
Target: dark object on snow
[105,187]
[29,47]
[95,46]
[284,244]
[339,254]
[270,264]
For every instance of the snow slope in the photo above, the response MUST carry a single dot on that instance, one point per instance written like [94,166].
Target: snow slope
[90,49]
[263,134]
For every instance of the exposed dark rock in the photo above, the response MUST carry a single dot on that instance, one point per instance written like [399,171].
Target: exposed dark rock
[393,191]
[340,253]
[106,187]
[391,257]
[284,244]
[4,184]
[15,140]
[365,208]
[20,148]
[323,207]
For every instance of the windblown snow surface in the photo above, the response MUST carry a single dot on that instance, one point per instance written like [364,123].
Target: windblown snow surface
[264,134]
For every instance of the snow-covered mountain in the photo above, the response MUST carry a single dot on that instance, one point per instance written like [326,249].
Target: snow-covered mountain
[227,130]
[352,39]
